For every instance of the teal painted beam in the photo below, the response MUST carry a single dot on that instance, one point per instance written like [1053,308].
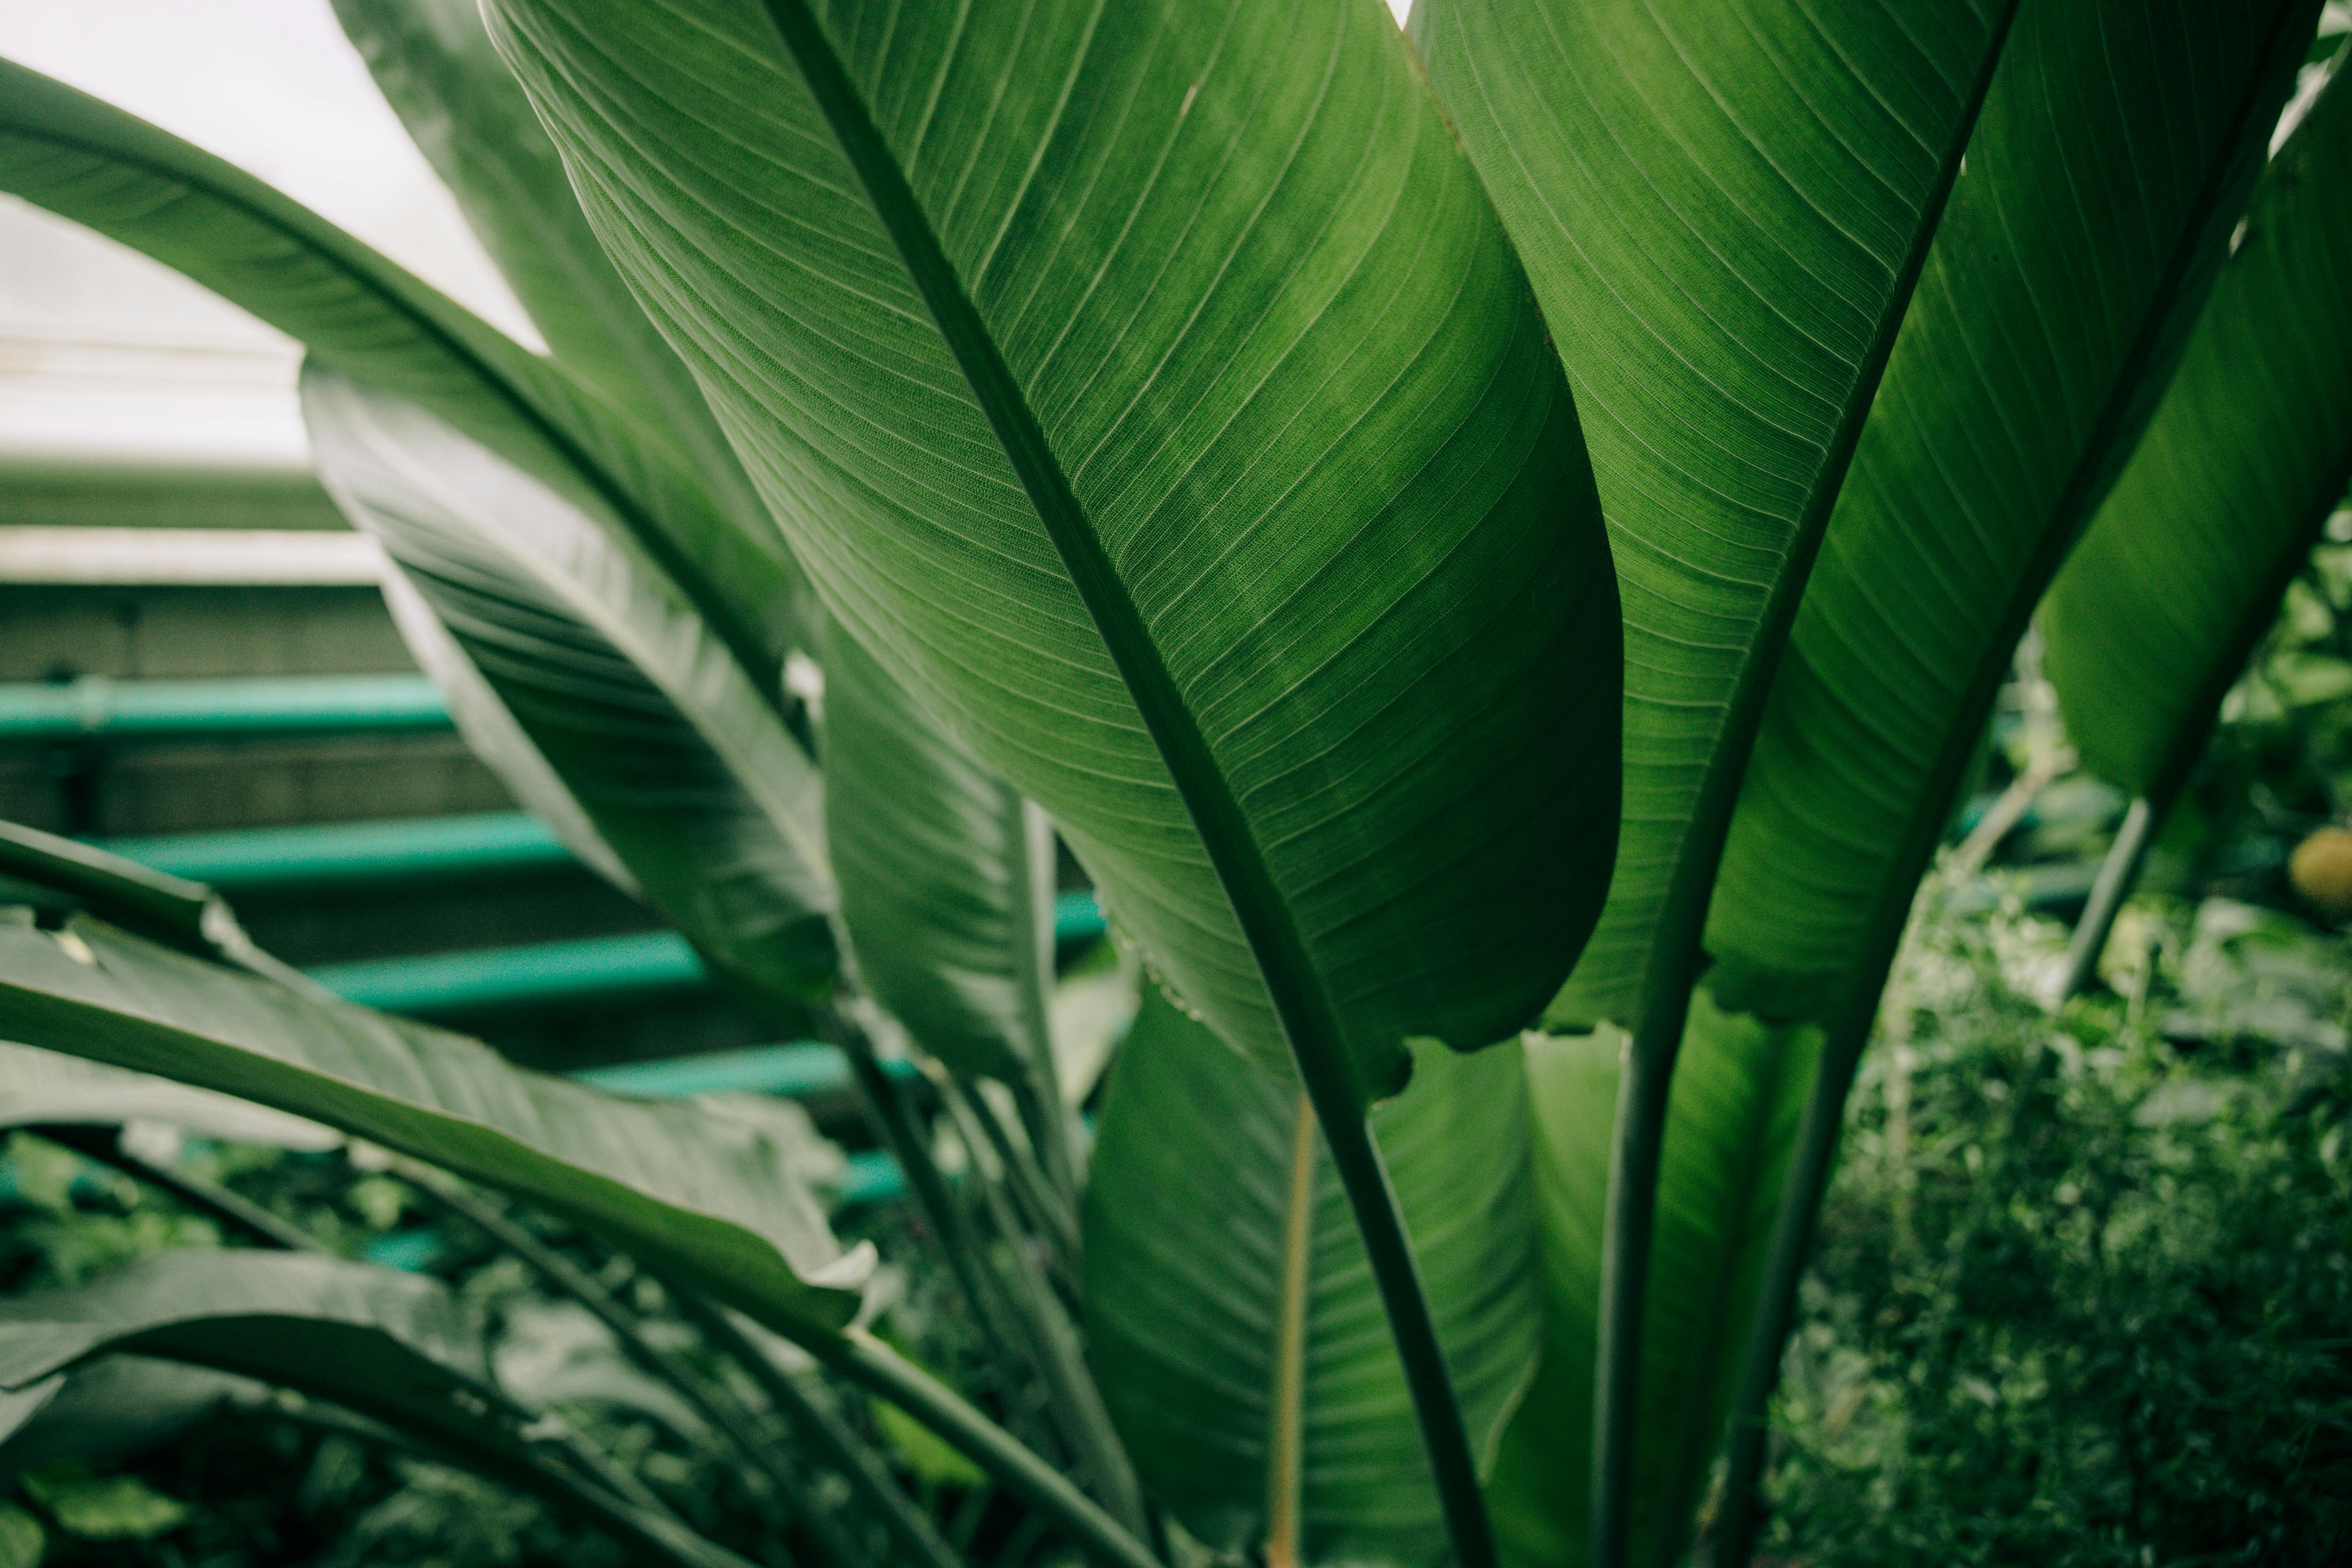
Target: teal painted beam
[1077,918]
[589,970]
[97,706]
[796,1070]
[349,855]
[565,973]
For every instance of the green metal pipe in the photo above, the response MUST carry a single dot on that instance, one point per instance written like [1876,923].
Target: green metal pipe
[346,855]
[96,706]
[593,969]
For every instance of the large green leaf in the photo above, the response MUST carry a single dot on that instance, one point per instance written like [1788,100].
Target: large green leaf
[654,729]
[947,877]
[40,871]
[1738,1089]
[2155,613]
[2111,163]
[40,1087]
[1724,205]
[433,59]
[368,319]
[114,1404]
[1160,403]
[398,1348]
[708,1197]
[1233,1318]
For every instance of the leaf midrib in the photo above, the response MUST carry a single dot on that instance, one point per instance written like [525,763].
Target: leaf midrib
[1309,1018]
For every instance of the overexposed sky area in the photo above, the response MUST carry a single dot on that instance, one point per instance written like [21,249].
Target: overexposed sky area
[271,85]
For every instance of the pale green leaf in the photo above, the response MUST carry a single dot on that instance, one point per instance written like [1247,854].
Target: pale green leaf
[374,323]
[947,877]
[705,1196]
[433,59]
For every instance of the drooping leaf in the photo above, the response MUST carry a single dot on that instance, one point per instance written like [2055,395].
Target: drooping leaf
[705,1196]
[1723,207]
[2112,160]
[493,734]
[1233,1319]
[947,877]
[653,728]
[433,59]
[40,871]
[1739,1089]
[40,1087]
[112,1405]
[1186,442]
[371,321]
[2153,614]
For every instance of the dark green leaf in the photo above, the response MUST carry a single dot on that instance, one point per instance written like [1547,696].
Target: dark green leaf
[112,1405]
[947,877]
[1189,1270]
[2111,163]
[2180,572]
[1723,205]
[393,1345]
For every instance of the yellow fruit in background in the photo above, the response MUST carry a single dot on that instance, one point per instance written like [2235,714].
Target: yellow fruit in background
[2320,871]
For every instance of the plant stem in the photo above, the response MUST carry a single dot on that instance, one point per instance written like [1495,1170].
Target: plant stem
[726,1417]
[875,1366]
[1053,1345]
[1044,1206]
[842,1448]
[1675,945]
[2114,884]
[886,1101]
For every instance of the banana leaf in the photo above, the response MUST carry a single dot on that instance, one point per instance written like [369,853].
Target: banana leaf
[2181,573]
[1188,445]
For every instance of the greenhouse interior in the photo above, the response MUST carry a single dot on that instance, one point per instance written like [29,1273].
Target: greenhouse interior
[1371,783]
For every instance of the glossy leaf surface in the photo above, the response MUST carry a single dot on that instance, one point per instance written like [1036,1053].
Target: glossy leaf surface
[1738,1090]
[1194,1269]
[1230,335]
[1723,207]
[704,1195]
[2114,155]
[2155,611]
[686,772]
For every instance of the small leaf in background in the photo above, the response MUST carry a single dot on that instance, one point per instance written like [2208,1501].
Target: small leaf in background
[23,1542]
[103,1507]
